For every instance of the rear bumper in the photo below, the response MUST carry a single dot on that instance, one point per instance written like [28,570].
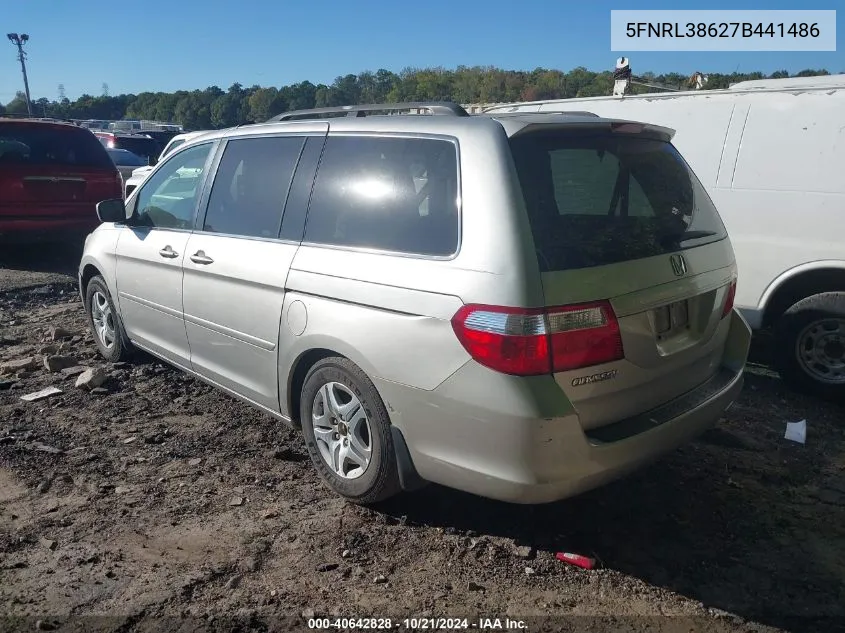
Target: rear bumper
[519,439]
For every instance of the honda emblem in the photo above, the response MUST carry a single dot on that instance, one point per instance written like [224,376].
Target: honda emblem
[679,265]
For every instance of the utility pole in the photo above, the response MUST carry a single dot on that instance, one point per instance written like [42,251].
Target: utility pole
[19,41]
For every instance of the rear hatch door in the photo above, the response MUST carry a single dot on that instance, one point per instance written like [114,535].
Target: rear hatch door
[52,171]
[635,264]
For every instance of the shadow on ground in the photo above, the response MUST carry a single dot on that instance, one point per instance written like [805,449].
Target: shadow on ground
[62,258]
[757,530]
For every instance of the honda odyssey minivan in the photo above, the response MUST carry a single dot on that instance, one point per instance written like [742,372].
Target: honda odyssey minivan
[523,307]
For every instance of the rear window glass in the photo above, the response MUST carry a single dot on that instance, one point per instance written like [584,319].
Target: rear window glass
[125,157]
[142,146]
[603,198]
[388,194]
[47,145]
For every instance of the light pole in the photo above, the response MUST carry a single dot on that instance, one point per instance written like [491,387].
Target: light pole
[19,41]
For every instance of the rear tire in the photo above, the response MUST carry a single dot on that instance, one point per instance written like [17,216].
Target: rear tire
[809,348]
[104,322]
[345,424]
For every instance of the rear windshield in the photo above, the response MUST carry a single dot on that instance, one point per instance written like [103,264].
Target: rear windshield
[140,145]
[127,158]
[28,144]
[600,198]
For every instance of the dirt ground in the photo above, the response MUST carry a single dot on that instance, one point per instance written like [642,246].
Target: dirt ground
[157,499]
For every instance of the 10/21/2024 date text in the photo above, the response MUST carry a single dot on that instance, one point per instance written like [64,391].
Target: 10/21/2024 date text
[417,624]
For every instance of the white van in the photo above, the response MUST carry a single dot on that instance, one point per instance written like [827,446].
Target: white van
[771,153]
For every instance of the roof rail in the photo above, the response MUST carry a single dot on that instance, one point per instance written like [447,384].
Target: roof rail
[438,108]
[515,109]
[576,113]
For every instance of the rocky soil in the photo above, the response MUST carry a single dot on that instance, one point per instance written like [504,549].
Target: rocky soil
[137,496]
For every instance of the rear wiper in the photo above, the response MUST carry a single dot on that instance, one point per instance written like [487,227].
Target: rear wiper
[675,240]
[695,235]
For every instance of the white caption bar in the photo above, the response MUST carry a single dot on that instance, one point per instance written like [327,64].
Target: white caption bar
[722,30]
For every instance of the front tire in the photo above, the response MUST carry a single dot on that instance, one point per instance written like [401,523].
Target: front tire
[809,349]
[347,432]
[104,322]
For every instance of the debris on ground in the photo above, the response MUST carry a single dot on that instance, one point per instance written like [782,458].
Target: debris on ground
[20,364]
[91,378]
[48,543]
[55,364]
[40,395]
[576,559]
[796,431]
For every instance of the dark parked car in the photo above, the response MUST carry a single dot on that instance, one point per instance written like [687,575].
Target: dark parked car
[52,175]
[139,144]
[162,137]
[126,161]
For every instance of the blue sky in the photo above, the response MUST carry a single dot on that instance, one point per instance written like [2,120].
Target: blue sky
[187,44]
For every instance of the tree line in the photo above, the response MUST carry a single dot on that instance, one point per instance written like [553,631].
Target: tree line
[218,108]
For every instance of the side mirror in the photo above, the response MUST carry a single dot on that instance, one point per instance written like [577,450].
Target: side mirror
[111,210]
[153,160]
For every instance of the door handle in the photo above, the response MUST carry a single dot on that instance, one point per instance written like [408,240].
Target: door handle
[168,252]
[201,258]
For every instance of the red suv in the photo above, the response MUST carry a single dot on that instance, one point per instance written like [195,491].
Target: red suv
[52,175]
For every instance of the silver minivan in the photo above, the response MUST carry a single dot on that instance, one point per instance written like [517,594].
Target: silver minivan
[522,306]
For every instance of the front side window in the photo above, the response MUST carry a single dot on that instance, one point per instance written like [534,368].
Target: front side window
[386,193]
[167,199]
[252,182]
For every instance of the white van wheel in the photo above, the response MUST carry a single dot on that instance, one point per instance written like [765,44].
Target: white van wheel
[347,432]
[104,322]
[810,345]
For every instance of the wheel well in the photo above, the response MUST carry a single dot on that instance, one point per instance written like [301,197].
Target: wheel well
[297,378]
[88,273]
[800,287]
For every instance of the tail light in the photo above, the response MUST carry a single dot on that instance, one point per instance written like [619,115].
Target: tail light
[528,342]
[729,299]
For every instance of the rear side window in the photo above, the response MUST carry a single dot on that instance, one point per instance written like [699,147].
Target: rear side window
[603,198]
[36,145]
[386,193]
[249,190]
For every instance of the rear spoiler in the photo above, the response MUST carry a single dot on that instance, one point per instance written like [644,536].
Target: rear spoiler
[514,127]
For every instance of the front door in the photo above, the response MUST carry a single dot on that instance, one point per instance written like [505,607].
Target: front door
[150,252]
[236,267]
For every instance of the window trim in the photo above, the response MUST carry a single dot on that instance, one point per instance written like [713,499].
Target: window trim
[378,251]
[214,143]
[199,219]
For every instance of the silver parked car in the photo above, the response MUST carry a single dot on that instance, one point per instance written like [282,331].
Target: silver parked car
[522,306]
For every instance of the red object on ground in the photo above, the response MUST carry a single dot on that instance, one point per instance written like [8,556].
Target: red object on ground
[576,559]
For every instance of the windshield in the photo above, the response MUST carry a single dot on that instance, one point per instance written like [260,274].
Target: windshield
[602,198]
